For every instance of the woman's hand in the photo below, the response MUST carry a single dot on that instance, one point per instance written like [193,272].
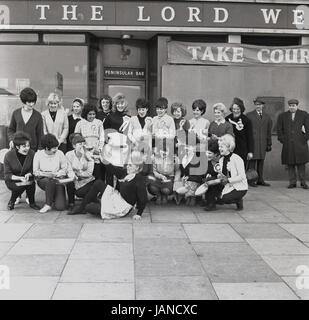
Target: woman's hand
[137,217]
[28,176]
[249,156]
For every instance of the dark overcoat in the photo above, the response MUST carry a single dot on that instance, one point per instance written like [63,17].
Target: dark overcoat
[261,128]
[294,136]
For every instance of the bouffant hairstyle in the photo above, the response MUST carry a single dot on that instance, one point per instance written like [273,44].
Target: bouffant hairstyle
[117,98]
[79,100]
[142,103]
[199,104]
[49,141]
[213,146]
[28,95]
[228,140]
[53,97]
[20,138]
[87,108]
[177,105]
[221,107]
[105,97]
[162,102]
[240,104]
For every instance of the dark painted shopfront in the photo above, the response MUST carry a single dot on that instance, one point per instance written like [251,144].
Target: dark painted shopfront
[183,50]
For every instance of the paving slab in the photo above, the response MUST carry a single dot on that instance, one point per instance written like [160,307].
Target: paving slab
[146,219]
[163,247]
[270,216]
[261,231]
[42,246]
[94,291]
[35,265]
[88,218]
[5,247]
[239,268]
[299,286]
[254,291]
[300,231]
[5,216]
[53,231]
[215,250]
[278,246]
[150,266]
[211,233]
[219,216]
[106,233]
[289,206]
[173,215]
[102,250]
[81,270]
[164,288]
[30,288]
[13,232]
[159,231]
[49,217]
[287,265]
[298,217]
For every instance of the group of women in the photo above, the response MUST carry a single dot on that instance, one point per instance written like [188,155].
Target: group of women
[114,161]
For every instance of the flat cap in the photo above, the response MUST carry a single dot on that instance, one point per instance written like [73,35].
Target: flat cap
[293,101]
[258,101]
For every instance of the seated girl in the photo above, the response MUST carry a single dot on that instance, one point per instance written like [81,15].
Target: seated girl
[164,169]
[18,176]
[82,165]
[114,204]
[232,174]
[49,165]
[192,169]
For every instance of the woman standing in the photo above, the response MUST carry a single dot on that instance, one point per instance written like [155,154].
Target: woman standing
[219,126]
[73,118]
[55,120]
[242,130]
[48,165]
[18,164]
[104,107]
[92,130]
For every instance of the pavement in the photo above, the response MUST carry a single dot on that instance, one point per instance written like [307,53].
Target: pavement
[174,252]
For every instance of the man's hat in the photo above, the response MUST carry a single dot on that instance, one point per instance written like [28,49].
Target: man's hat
[258,101]
[293,101]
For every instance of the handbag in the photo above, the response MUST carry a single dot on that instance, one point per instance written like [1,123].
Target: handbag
[251,174]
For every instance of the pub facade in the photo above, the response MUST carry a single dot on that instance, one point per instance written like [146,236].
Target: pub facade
[183,50]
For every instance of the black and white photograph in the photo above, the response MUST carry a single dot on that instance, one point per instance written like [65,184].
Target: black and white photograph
[153,153]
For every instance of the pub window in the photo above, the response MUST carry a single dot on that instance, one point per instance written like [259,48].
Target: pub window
[56,38]
[19,37]
[271,40]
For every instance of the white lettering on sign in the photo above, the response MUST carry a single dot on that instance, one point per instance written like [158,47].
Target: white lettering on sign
[238,54]
[261,57]
[222,54]
[221,13]
[298,17]
[194,51]
[66,12]
[141,14]
[283,56]
[42,8]
[4,15]
[208,55]
[171,14]
[269,14]
[194,14]
[97,13]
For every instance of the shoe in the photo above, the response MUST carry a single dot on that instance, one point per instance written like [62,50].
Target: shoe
[159,201]
[292,185]
[192,202]
[17,201]
[27,200]
[34,206]
[210,207]
[304,185]
[45,209]
[240,205]
[254,185]
[11,205]
[164,199]
[263,183]
[71,206]
[76,210]
[177,199]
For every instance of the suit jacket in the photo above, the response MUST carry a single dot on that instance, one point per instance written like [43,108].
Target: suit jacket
[34,127]
[294,136]
[261,128]
[12,166]
[59,128]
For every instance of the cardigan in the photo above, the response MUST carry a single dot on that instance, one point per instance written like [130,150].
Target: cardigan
[163,127]
[114,120]
[12,166]
[134,192]
[59,128]
[220,129]
[34,127]
[136,133]
[237,179]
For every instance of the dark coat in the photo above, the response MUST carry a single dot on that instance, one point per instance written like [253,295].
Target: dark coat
[12,166]
[294,140]
[72,125]
[34,127]
[244,137]
[261,128]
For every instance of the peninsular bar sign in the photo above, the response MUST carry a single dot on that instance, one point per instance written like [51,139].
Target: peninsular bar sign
[153,14]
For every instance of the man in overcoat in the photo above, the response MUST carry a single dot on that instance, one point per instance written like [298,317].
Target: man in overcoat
[293,133]
[261,127]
